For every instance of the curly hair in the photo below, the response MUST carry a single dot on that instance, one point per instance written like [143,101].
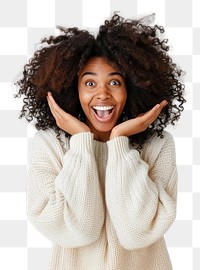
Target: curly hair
[134,47]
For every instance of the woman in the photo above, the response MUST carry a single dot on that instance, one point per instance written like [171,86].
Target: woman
[102,181]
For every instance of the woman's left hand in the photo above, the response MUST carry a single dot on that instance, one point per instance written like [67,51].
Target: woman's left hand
[138,124]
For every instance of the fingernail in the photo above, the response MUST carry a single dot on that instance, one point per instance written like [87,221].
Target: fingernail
[165,103]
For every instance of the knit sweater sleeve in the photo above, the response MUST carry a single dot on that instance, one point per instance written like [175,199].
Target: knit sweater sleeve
[64,199]
[141,193]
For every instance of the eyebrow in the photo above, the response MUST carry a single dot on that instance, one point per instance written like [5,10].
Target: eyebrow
[95,74]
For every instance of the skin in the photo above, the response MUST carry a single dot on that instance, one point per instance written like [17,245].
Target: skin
[101,84]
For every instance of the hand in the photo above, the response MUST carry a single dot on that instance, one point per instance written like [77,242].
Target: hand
[138,124]
[64,120]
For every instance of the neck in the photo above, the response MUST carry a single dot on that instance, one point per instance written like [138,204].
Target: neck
[102,136]
[99,135]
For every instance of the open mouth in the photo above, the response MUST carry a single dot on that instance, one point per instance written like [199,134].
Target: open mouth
[103,112]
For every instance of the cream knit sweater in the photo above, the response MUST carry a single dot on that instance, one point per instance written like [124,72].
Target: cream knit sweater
[105,206]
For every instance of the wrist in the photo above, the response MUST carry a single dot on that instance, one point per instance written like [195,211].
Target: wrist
[113,134]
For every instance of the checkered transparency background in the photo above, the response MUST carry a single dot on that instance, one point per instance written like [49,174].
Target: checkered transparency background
[22,24]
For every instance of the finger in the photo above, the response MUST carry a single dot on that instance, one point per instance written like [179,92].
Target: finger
[158,107]
[155,112]
[151,115]
[55,107]
[163,104]
[57,112]
[54,113]
[53,103]
[49,103]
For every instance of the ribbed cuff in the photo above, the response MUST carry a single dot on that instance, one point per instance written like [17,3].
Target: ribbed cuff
[82,143]
[120,146]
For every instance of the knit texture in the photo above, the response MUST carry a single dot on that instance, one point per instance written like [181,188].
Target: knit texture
[104,206]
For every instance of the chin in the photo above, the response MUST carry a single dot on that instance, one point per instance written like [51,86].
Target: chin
[104,127]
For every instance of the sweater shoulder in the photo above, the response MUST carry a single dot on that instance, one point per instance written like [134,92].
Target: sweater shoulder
[46,134]
[155,145]
[157,142]
[49,138]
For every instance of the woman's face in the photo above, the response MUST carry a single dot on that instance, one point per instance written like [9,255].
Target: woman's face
[102,94]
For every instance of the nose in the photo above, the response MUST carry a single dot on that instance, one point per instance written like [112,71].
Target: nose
[103,93]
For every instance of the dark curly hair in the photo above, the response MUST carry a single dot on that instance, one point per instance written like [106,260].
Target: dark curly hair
[134,47]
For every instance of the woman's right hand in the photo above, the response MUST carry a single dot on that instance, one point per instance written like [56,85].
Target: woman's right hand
[64,120]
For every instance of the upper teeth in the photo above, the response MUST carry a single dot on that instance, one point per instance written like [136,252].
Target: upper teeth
[103,108]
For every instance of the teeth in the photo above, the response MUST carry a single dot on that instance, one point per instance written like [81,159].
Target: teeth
[103,108]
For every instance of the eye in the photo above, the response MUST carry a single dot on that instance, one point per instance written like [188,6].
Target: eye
[90,83]
[114,82]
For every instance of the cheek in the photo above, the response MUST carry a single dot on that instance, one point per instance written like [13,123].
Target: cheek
[81,99]
[84,99]
[81,94]
[123,97]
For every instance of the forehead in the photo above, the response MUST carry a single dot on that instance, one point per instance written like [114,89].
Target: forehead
[98,65]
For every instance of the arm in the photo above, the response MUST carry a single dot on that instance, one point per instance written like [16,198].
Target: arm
[141,200]
[64,200]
